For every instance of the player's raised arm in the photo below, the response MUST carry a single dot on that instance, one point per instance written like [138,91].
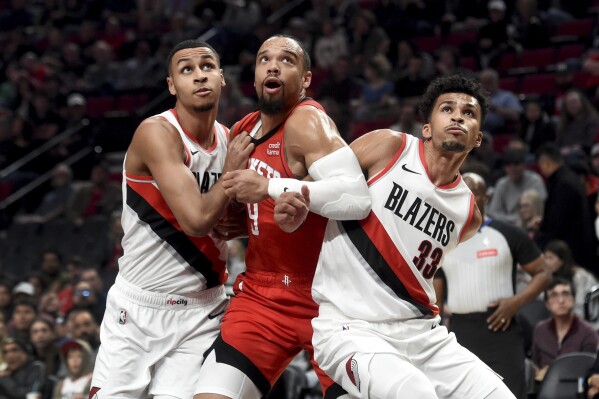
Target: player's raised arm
[157,146]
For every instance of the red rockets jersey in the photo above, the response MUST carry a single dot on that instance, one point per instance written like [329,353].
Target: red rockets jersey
[270,249]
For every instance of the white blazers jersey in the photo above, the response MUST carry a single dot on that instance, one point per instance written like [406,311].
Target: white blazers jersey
[158,255]
[381,268]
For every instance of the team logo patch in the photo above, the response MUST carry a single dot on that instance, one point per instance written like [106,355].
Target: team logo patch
[93,392]
[486,253]
[351,368]
[122,317]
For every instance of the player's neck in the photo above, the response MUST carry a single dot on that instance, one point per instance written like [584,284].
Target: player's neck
[199,125]
[443,168]
[270,122]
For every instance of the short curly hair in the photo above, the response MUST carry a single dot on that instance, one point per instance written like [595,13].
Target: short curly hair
[453,84]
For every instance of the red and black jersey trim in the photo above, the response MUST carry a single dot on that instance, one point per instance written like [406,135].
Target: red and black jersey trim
[177,239]
[376,260]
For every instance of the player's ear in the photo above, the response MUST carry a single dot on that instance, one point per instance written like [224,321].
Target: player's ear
[171,86]
[306,79]
[479,139]
[426,131]
[222,79]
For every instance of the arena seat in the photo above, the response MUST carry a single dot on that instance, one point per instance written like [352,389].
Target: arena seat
[561,380]
[568,51]
[543,84]
[539,58]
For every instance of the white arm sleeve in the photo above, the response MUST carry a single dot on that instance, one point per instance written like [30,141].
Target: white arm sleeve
[338,191]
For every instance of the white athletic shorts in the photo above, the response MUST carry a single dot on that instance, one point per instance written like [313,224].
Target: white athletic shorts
[153,344]
[415,358]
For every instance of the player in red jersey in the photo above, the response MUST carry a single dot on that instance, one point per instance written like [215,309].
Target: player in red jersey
[268,321]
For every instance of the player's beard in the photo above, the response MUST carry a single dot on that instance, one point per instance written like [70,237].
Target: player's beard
[204,107]
[453,146]
[270,106]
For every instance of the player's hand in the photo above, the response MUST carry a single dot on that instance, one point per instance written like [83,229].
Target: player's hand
[233,224]
[291,209]
[501,318]
[245,186]
[238,152]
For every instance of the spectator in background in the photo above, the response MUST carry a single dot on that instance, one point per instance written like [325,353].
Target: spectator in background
[536,127]
[559,259]
[330,46]
[23,314]
[43,340]
[86,298]
[375,98]
[77,356]
[578,124]
[51,270]
[101,76]
[143,70]
[595,159]
[564,332]
[100,196]
[23,374]
[504,106]
[493,38]
[92,277]
[566,215]
[408,120]
[3,337]
[412,84]
[529,27]
[114,248]
[509,188]
[365,39]
[530,210]
[84,326]
[448,62]
[49,306]
[5,298]
[54,203]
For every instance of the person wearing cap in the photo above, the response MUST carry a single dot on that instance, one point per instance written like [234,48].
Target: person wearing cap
[509,188]
[23,374]
[77,355]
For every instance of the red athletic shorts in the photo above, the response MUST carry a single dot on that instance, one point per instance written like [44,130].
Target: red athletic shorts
[268,323]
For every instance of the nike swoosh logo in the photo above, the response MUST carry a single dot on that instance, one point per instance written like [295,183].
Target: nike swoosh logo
[404,167]
[215,315]
[194,152]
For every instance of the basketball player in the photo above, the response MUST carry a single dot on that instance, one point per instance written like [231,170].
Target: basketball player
[163,311]
[268,321]
[378,333]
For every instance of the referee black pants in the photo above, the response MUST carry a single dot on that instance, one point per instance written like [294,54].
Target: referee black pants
[502,351]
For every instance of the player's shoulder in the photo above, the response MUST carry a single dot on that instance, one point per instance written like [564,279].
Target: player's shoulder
[386,139]
[157,130]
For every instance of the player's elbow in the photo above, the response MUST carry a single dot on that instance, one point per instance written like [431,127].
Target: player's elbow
[196,227]
[348,207]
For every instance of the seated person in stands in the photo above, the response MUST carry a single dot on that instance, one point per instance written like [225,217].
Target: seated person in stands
[564,332]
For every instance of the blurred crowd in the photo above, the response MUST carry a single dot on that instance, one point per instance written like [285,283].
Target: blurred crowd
[62,61]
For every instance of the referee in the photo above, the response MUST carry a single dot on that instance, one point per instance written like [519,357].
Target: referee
[480,279]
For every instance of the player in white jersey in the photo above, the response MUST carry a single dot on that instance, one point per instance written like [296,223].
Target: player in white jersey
[378,333]
[165,307]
